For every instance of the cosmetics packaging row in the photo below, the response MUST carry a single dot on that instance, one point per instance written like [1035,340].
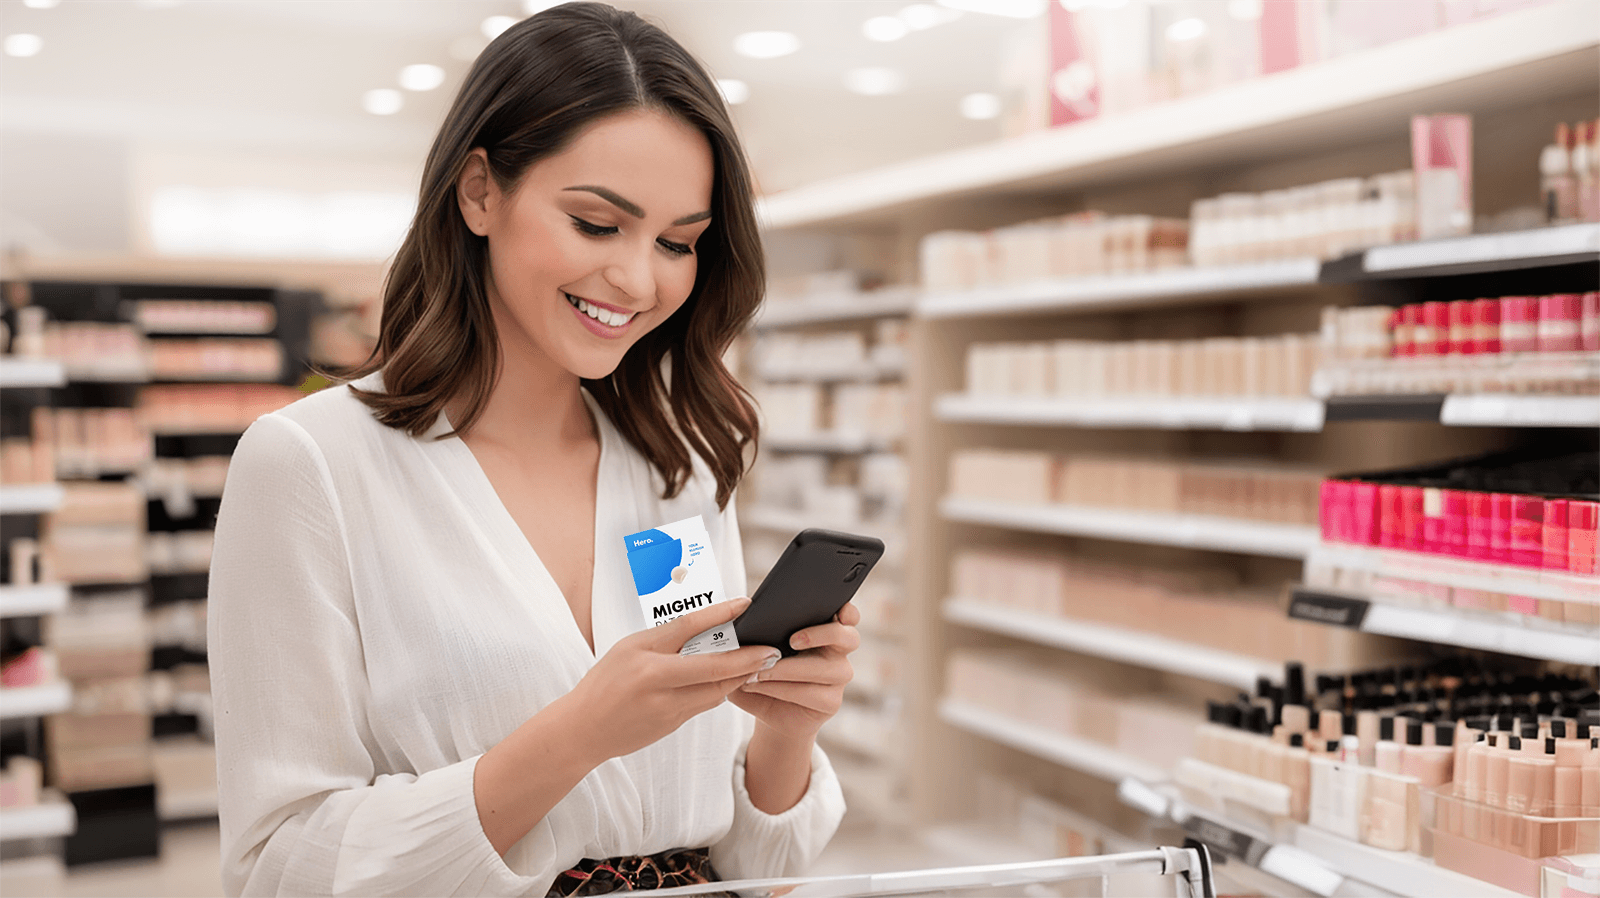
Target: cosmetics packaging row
[779,355]
[1224,366]
[1524,530]
[210,316]
[179,552]
[1193,604]
[21,782]
[76,442]
[203,358]
[1504,606]
[1321,221]
[875,411]
[1257,492]
[210,408]
[89,350]
[1079,245]
[868,489]
[1561,322]
[1569,173]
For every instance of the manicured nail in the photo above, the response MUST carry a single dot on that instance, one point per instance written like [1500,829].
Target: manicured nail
[772,659]
[754,678]
[799,641]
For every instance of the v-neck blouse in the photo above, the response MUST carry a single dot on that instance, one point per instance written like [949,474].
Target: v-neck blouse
[377,620]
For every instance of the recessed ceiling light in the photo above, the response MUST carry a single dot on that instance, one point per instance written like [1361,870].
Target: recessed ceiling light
[874,81]
[1186,30]
[421,76]
[980,107]
[383,101]
[1245,10]
[733,90]
[765,44]
[534,7]
[885,28]
[1011,9]
[922,16]
[41,4]
[1075,5]
[23,44]
[494,26]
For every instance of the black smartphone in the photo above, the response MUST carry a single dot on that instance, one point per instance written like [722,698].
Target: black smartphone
[818,572]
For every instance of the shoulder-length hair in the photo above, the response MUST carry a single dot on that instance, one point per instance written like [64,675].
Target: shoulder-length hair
[527,97]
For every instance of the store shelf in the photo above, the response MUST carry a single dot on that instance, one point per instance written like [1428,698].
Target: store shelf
[1535,52]
[1189,531]
[835,309]
[1082,755]
[1116,643]
[1485,252]
[53,817]
[1400,872]
[1464,573]
[1081,294]
[34,498]
[25,601]
[35,701]
[1384,407]
[108,377]
[1521,411]
[196,805]
[838,443]
[17,373]
[864,372]
[1444,627]
[1167,413]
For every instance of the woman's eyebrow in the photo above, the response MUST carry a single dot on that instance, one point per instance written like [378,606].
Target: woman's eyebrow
[632,208]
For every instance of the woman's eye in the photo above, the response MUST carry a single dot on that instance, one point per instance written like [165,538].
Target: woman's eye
[676,249]
[590,228]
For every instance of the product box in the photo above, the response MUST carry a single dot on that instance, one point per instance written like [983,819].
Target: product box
[675,572]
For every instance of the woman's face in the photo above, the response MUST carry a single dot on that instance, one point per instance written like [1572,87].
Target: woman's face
[596,246]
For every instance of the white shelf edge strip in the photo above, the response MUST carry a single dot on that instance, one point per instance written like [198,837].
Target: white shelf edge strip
[52,817]
[1403,872]
[16,373]
[1189,531]
[1493,410]
[1460,573]
[823,442]
[1564,240]
[820,310]
[22,601]
[32,498]
[1455,629]
[1116,643]
[1115,289]
[35,701]
[1243,414]
[1089,757]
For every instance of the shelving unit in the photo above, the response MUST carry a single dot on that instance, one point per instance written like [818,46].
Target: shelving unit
[1187,531]
[35,701]
[34,498]
[22,373]
[29,601]
[52,818]
[1092,758]
[1116,643]
[1464,573]
[837,443]
[1242,414]
[848,307]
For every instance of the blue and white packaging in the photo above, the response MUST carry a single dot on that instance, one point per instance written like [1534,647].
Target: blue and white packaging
[675,572]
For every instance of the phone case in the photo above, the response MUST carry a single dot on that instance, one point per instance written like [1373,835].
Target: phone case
[819,571]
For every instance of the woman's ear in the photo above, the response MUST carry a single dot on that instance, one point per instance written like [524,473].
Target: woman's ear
[473,191]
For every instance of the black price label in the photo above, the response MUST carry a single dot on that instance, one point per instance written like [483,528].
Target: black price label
[1226,839]
[1328,608]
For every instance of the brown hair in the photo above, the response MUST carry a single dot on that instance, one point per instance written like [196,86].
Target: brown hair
[528,95]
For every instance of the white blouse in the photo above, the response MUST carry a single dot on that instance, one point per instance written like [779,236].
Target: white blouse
[378,620]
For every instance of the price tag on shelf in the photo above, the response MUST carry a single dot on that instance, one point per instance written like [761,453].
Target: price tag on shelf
[1328,608]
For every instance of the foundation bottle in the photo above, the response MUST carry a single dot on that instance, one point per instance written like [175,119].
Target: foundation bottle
[1296,767]
[1430,764]
[1589,780]
[1530,779]
[1496,768]
[1387,752]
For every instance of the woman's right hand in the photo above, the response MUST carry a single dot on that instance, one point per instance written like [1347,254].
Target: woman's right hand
[642,689]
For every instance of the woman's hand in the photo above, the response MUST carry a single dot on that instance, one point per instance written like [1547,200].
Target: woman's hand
[800,693]
[642,689]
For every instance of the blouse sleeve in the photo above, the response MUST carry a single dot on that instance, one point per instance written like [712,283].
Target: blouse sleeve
[301,806]
[761,845]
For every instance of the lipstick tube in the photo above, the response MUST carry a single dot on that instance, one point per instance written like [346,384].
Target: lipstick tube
[1463,339]
[1583,519]
[1589,325]
[1555,535]
[1486,321]
[1519,320]
[1527,531]
[1436,320]
[1559,317]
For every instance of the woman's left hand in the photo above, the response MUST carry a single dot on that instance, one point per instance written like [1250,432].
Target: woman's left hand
[800,693]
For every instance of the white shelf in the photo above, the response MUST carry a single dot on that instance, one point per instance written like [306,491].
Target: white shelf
[1397,871]
[1462,573]
[53,817]
[864,372]
[840,308]
[35,701]
[17,372]
[1480,249]
[1078,294]
[842,443]
[186,805]
[34,498]
[1454,628]
[1115,643]
[1501,410]
[1168,413]
[1188,531]
[24,601]
[1092,758]
[1541,52]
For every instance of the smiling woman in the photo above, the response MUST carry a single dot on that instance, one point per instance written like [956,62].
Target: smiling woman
[430,671]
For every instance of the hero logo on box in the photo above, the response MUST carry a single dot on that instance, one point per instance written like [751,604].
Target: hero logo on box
[675,572]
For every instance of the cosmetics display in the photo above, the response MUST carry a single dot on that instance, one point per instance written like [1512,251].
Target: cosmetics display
[1218,367]
[27,460]
[843,355]
[90,442]
[210,408]
[33,666]
[95,351]
[1569,174]
[1320,221]
[1509,344]
[1255,491]
[103,645]
[212,359]
[203,316]
[181,552]
[1072,246]
[1441,160]
[21,781]
[98,534]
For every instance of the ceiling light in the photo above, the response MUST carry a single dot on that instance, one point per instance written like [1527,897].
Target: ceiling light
[885,28]
[1186,30]
[765,44]
[23,44]
[494,26]
[1012,9]
[922,16]
[383,101]
[733,90]
[1245,10]
[157,4]
[980,107]
[41,4]
[874,81]
[534,7]
[421,76]
[1076,5]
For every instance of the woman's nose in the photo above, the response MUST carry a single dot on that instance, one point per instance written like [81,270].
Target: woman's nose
[632,271]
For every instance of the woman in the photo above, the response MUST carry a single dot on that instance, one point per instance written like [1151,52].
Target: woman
[430,669]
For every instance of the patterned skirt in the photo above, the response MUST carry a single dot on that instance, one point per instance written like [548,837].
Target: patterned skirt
[680,867]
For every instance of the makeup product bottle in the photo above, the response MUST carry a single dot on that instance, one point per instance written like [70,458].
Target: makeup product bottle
[1589,324]
[1555,535]
[1530,779]
[1589,780]
[1557,186]
[1560,317]
[1497,770]
[1296,768]
[1386,754]
[1430,764]
[1567,785]
[1519,324]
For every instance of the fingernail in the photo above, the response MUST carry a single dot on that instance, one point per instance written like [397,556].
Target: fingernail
[754,678]
[772,659]
[798,642]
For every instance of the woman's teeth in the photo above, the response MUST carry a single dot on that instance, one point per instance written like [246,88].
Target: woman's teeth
[604,316]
